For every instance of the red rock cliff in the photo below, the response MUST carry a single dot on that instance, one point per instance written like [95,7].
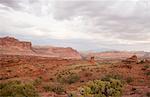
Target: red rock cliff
[12,46]
[14,43]
[66,53]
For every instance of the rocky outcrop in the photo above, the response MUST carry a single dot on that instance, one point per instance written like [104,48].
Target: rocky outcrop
[14,43]
[66,53]
[132,59]
[92,60]
[12,46]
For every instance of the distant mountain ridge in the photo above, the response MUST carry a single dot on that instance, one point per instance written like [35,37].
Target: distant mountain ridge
[116,54]
[67,53]
[12,46]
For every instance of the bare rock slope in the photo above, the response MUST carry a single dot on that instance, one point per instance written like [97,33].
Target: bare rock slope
[66,53]
[12,46]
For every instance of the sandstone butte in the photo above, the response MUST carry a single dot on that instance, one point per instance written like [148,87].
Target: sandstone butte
[12,46]
[132,59]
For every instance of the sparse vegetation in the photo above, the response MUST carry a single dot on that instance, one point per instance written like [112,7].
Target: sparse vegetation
[75,78]
[17,89]
[148,73]
[112,76]
[145,67]
[37,81]
[98,88]
[141,81]
[57,88]
[47,88]
[141,62]
[67,77]
[40,65]
[129,80]
[72,94]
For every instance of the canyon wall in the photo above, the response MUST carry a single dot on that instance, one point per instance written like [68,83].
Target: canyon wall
[66,53]
[12,46]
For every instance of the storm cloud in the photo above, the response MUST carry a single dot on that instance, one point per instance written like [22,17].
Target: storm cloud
[113,24]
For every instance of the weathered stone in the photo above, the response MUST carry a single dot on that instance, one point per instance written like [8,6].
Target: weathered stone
[12,46]
[132,59]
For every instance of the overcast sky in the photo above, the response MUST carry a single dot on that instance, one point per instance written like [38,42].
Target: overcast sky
[81,24]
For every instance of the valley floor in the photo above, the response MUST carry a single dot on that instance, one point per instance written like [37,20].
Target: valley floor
[43,72]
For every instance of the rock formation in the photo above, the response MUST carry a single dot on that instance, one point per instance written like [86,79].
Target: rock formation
[10,42]
[12,46]
[92,59]
[66,53]
[116,54]
[132,59]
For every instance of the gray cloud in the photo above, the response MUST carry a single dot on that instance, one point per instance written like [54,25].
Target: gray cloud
[11,3]
[110,23]
[126,20]
[68,9]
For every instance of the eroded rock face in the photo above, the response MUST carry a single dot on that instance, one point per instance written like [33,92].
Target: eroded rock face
[132,59]
[10,42]
[12,46]
[66,53]
[92,59]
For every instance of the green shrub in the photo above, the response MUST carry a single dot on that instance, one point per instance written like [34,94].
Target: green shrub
[141,81]
[141,62]
[37,81]
[72,94]
[17,89]
[129,79]
[47,88]
[67,77]
[98,88]
[112,76]
[145,67]
[148,73]
[54,88]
